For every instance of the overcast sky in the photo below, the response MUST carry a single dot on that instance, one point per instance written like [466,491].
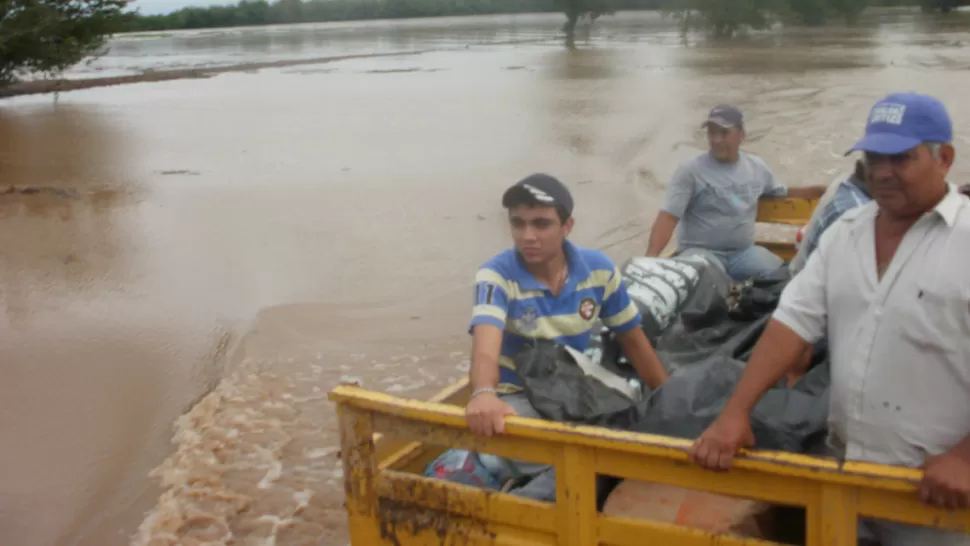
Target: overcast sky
[154,7]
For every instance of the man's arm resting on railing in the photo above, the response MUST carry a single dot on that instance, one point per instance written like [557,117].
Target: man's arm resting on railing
[774,354]
[946,478]
[485,411]
[661,232]
[799,320]
[486,348]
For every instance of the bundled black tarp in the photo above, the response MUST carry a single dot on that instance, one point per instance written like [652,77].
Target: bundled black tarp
[691,289]
[691,340]
[788,419]
[671,294]
[706,358]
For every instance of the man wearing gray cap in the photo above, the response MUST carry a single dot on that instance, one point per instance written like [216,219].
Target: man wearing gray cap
[888,286]
[713,199]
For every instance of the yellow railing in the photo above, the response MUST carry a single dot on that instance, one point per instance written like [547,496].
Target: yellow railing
[795,212]
[386,506]
[792,212]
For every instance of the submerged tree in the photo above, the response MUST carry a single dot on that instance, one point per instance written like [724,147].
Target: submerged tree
[582,9]
[48,36]
[723,18]
[945,6]
[818,12]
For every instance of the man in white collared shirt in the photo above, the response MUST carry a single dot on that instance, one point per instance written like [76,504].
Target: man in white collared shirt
[889,286]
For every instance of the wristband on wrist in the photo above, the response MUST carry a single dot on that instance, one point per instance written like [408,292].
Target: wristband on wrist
[482,391]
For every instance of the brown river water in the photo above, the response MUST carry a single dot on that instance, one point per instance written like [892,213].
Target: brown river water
[190,266]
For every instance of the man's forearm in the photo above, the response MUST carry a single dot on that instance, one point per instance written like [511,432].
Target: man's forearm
[656,245]
[486,348]
[774,355]
[660,233]
[637,348]
[483,374]
[963,448]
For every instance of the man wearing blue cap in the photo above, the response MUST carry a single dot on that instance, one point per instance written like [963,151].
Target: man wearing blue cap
[889,287]
[713,201]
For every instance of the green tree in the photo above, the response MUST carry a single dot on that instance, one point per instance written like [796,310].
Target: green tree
[48,36]
[585,9]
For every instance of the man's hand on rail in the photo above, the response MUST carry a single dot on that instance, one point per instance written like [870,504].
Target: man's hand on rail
[946,481]
[486,414]
[717,446]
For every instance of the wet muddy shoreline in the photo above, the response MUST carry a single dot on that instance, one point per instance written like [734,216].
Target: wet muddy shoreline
[63,85]
[47,86]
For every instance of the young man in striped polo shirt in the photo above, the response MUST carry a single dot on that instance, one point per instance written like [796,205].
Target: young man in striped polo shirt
[543,288]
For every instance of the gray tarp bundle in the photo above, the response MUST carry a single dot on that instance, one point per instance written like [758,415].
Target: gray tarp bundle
[707,352]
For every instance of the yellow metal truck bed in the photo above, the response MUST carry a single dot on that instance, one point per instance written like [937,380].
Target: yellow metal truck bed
[387,441]
[388,502]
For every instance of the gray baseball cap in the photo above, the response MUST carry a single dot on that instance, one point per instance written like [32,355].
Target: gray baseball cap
[726,116]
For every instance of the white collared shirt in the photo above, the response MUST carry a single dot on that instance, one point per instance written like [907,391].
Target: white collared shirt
[900,346]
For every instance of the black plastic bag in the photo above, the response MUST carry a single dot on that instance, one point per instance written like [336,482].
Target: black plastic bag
[694,396]
[560,390]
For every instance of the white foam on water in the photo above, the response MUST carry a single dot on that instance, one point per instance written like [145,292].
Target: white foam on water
[351,379]
[406,388]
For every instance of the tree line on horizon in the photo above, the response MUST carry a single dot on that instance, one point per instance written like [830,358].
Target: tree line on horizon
[718,16]
[48,36]
[261,12]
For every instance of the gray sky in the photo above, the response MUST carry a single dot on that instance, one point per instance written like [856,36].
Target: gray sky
[154,7]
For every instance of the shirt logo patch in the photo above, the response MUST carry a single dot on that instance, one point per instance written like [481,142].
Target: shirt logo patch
[529,321]
[889,113]
[587,308]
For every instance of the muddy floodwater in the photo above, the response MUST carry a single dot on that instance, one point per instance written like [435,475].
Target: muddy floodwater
[189,266]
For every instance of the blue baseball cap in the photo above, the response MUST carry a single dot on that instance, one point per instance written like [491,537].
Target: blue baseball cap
[903,121]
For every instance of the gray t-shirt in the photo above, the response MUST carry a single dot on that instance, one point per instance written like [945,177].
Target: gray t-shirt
[717,203]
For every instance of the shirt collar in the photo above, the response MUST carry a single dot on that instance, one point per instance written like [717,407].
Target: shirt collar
[578,270]
[947,209]
[854,180]
[950,206]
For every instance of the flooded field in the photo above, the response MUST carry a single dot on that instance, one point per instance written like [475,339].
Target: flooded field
[190,266]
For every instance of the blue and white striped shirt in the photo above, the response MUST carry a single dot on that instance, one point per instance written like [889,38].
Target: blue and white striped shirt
[850,194]
[508,296]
